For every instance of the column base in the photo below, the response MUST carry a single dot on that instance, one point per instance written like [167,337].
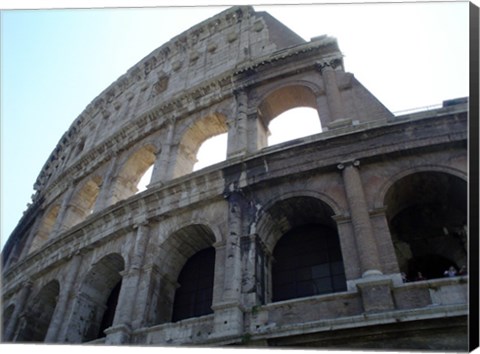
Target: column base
[341,123]
[376,292]
[228,320]
[118,335]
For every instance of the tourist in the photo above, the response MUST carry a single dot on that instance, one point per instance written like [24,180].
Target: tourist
[450,272]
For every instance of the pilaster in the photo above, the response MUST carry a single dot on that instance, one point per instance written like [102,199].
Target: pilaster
[228,312]
[238,126]
[59,223]
[105,193]
[161,167]
[257,134]
[119,333]
[254,259]
[59,317]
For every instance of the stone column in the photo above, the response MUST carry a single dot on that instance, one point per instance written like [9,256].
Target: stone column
[105,193]
[350,254]
[18,311]
[232,285]
[237,127]
[365,240]
[386,248]
[161,166]
[228,313]
[66,294]
[120,331]
[62,212]
[334,96]
[29,237]
[374,287]
[257,134]
[255,261]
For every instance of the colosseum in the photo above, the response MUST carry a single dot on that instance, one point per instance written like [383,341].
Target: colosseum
[335,240]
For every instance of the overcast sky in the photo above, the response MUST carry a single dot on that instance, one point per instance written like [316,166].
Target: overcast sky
[55,62]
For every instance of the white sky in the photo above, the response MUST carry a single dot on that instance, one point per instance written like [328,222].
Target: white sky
[55,62]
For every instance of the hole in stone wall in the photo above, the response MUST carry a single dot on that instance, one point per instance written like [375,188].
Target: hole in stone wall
[212,151]
[293,124]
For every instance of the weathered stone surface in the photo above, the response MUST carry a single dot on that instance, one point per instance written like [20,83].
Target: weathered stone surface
[102,263]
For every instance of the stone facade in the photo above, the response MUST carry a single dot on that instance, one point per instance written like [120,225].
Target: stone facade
[94,261]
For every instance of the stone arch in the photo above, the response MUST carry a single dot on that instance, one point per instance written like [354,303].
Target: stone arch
[281,99]
[426,213]
[191,138]
[267,227]
[125,184]
[302,228]
[175,253]
[96,300]
[46,227]
[379,198]
[83,201]
[39,313]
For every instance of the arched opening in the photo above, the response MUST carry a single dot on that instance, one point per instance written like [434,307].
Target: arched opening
[96,302]
[427,217]
[194,136]
[303,240]
[45,228]
[307,261]
[294,124]
[186,256]
[134,170]
[289,113]
[37,319]
[193,297]
[211,151]
[83,202]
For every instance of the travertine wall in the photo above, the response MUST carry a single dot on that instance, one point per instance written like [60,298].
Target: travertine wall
[86,230]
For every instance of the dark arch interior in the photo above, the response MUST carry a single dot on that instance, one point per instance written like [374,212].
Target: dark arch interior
[307,261]
[427,215]
[109,313]
[100,291]
[194,296]
[7,315]
[39,314]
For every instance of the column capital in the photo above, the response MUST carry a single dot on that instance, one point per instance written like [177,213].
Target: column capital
[27,283]
[355,163]
[140,224]
[331,63]
[239,91]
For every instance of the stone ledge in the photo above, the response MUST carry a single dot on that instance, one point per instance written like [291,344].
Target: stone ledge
[365,320]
